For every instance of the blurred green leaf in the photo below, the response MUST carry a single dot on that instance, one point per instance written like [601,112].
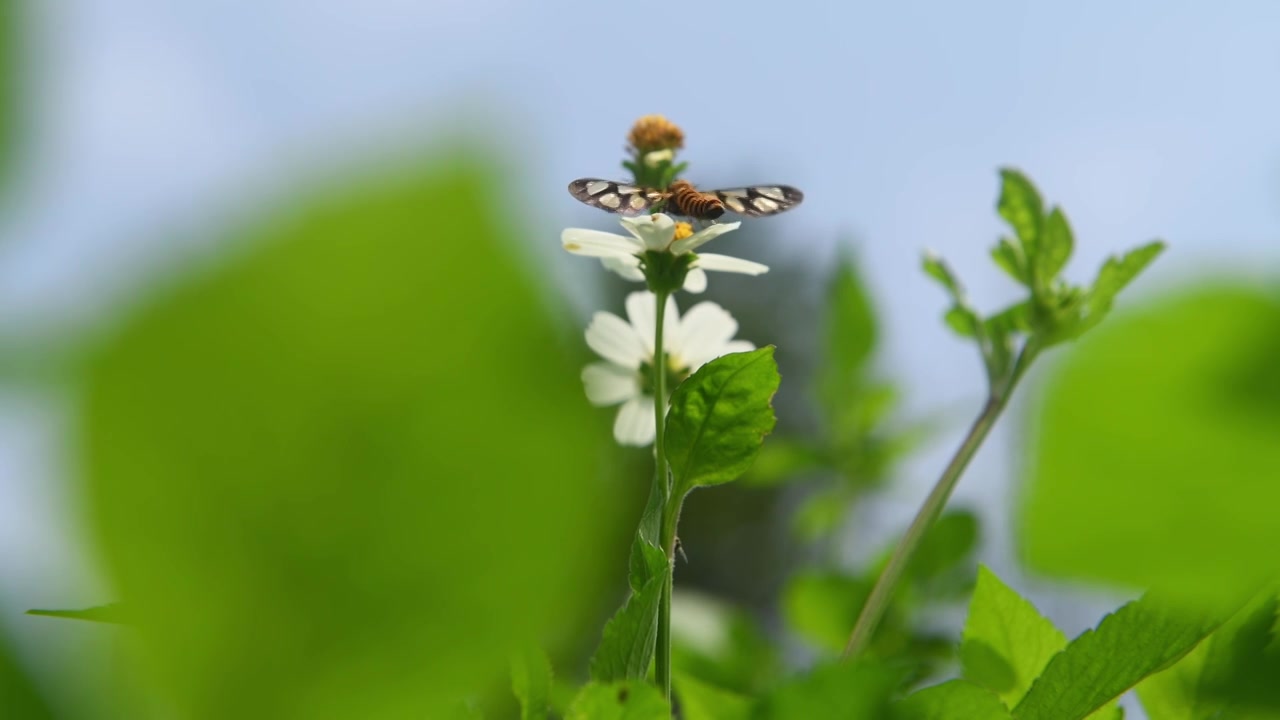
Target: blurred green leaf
[839,690]
[531,683]
[850,333]
[626,647]
[112,613]
[1020,205]
[320,476]
[1097,667]
[951,700]
[1007,643]
[719,417]
[936,268]
[962,321]
[1233,672]
[700,701]
[945,547]
[11,41]
[1009,257]
[721,645]
[20,699]
[780,460]
[631,700]
[822,512]
[1155,458]
[1057,245]
[823,606]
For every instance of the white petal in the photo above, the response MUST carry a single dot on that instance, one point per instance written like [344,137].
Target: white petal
[641,310]
[609,384]
[695,281]
[736,346]
[615,340]
[702,237]
[725,263]
[594,243]
[627,266]
[704,331]
[653,231]
[634,425]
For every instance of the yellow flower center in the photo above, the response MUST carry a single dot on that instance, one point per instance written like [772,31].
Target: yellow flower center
[655,132]
[683,230]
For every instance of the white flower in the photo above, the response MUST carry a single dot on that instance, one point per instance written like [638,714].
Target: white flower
[621,253]
[657,157]
[703,334]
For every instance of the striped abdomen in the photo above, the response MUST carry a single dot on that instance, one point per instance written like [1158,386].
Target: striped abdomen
[685,200]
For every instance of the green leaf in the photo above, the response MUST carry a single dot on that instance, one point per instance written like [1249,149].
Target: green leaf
[1009,257]
[1155,457]
[632,700]
[840,690]
[952,700]
[647,558]
[944,548]
[626,647]
[851,330]
[112,613]
[719,417]
[781,460]
[937,268]
[1006,642]
[1097,667]
[1020,205]
[531,683]
[1115,274]
[823,606]
[700,701]
[963,321]
[298,456]
[1236,669]
[1057,243]
[20,697]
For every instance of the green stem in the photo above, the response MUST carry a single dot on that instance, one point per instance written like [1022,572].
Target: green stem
[878,602]
[663,649]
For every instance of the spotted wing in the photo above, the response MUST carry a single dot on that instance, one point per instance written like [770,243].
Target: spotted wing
[760,200]
[616,197]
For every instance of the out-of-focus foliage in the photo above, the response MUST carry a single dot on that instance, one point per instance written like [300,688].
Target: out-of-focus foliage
[838,690]
[1156,456]
[952,700]
[9,84]
[1233,674]
[19,698]
[336,475]
[626,700]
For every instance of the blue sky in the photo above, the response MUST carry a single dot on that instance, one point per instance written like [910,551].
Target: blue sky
[153,121]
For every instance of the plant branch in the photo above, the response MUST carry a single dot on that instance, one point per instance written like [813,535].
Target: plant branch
[662,662]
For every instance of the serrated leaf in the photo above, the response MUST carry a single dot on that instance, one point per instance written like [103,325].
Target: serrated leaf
[841,690]
[937,268]
[531,683]
[719,417]
[627,643]
[647,559]
[1116,273]
[1020,205]
[700,701]
[1097,667]
[633,700]
[1235,668]
[951,700]
[1057,243]
[113,613]
[1006,642]
[1009,257]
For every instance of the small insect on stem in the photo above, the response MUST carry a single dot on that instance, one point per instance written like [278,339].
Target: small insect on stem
[684,199]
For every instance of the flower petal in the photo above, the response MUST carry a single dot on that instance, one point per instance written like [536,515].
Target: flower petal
[594,243]
[634,425]
[615,340]
[736,346]
[702,237]
[628,266]
[705,330]
[695,281]
[725,263]
[609,384]
[654,232]
[642,311]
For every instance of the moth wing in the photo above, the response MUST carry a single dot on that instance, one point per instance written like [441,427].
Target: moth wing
[759,200]
[615,197]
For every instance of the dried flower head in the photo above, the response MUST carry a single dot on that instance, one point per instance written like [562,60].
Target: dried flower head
[655,132]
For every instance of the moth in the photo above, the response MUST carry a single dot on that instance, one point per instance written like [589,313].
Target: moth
[684,199]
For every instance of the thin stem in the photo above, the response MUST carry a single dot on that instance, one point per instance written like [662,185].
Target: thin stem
[663,649]
[878,602]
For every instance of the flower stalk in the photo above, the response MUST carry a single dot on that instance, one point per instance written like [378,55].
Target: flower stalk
[662,661]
